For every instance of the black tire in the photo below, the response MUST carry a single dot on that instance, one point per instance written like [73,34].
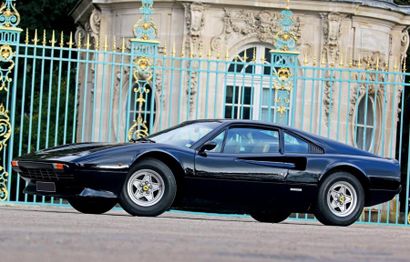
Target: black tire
[270,216]
[323,211]
[88,205]
[169,190]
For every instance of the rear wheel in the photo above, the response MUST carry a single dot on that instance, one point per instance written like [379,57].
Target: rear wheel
[149,190]
[340,200]
[270,216]
[92,205]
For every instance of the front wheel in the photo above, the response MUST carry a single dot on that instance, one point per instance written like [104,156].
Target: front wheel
[92,205]
[340,200]
[149,189]
[270,216]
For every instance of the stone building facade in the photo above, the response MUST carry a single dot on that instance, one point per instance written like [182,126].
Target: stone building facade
[368,32]
[327,29]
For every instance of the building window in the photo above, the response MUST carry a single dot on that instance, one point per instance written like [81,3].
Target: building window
[365,123]
[248,88]
[147,111]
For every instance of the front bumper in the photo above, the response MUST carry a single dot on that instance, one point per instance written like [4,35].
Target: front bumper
[73,181]
[378,196]
[66,191]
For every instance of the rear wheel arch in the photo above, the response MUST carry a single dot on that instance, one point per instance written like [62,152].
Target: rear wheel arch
[364,181]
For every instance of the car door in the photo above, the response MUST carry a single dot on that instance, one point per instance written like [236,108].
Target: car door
[245,165]
[297,150]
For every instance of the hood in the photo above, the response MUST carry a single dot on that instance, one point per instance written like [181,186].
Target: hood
[71,152]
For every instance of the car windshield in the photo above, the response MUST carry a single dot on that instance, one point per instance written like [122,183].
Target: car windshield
[185,135]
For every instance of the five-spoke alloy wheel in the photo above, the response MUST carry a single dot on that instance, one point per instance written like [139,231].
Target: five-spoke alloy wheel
[149,189]
[340,199]
[145,187]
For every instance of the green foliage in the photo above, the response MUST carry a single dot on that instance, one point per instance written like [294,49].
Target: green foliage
[43,14]
[402,2]
[46,14]
[51,131]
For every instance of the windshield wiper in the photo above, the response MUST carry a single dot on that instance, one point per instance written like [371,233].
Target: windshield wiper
[143,139]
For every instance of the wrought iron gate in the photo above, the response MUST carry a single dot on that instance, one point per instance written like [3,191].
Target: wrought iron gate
[55,92]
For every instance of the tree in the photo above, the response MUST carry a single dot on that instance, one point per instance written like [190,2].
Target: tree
[402,2]
[46,14]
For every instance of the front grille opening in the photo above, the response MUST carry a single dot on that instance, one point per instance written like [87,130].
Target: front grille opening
[43,174]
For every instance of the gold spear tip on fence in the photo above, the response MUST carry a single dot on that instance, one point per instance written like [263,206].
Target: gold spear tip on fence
[53,39]
[44,41]
[87,44]
[174,52]
[97,42]
[79,44]
[35,39]
[62,39]
[123,45]
[114,44]
[106,43]
[341,62]
[27,40]
[70,42]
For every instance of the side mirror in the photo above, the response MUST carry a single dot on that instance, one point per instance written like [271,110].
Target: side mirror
[207,147]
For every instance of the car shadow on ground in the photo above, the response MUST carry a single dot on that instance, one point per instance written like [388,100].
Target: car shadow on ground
[192,216]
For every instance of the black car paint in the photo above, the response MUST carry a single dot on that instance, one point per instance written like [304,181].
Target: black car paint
[220,182]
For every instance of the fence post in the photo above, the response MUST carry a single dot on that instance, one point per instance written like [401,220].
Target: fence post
[284,64]
[9,41]
[144,53]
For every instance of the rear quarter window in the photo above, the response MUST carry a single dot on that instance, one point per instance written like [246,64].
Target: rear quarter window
[295,144]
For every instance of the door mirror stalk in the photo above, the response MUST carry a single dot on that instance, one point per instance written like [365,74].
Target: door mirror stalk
[208,146]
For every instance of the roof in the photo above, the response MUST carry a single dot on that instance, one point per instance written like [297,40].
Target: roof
[329,145]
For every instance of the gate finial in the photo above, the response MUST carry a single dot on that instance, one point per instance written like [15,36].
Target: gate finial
[285,40]
[9,16]
[145,29]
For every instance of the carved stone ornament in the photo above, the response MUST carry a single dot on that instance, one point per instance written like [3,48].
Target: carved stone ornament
[405,41]
[193,44]
[330,55]
[264,25]
[90,28]
[376,87]
[195,22]
[331,34]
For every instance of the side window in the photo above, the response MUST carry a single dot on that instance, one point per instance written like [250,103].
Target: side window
[295,145]
[251,141]
[219,141]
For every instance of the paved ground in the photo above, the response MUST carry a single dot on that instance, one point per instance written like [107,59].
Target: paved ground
[61,234]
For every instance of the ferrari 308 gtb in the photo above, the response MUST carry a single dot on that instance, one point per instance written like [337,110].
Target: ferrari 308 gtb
[220,166]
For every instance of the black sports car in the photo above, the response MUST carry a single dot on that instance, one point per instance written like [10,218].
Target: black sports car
[226,166]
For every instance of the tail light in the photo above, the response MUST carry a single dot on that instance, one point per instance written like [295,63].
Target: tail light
[14,163]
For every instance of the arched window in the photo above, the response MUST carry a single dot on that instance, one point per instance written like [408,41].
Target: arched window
[365,123]
[147,110]
[249,92]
